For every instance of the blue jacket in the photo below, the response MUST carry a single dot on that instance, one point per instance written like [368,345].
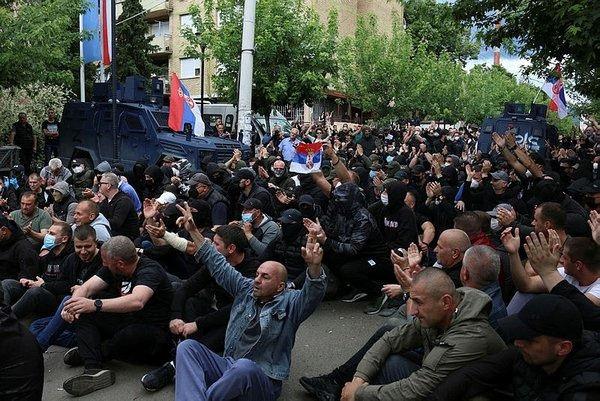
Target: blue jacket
[279,318]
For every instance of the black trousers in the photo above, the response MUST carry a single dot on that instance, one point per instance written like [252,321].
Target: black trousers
[105,336]
[21,365]
[367,274]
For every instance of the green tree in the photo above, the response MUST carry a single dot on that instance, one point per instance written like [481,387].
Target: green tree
[134,47]
[545,31]
[294,57]
[431,24]
[36,39]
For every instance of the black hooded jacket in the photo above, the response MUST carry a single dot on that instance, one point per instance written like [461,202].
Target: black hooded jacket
[156,189]
[396,221]
[18,258]
[351,230]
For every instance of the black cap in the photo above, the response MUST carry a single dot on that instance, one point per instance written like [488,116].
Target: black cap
[199,178]
[252,203]
[546,314]
[245,174]
[306,200]
[291,216]
[418,169]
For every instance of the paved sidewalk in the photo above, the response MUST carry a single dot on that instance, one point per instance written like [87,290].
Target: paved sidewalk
[324,341]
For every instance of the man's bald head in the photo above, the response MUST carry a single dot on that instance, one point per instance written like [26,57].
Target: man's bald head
[270,280]
[434,298]
[451,247]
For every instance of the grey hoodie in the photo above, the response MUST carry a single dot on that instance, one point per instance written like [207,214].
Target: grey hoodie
[101,226]
[469,338]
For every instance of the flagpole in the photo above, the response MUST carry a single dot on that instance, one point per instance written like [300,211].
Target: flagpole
[113,77]
[536,96]
[81,62]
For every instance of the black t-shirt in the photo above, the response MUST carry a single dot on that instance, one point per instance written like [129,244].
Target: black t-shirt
[23,135]
[151,274]
[54,130]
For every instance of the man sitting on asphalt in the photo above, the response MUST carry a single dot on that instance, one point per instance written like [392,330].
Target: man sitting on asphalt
[134,325]
[451,325]
[262,328]
[31,219]
[118,208]
[260,229]
[87,212]
[28,296]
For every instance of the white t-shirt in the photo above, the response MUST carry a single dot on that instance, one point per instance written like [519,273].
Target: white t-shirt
[592,289]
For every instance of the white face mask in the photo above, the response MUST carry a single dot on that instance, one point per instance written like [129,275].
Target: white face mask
[595,166]
[384,199]
[494,224]
[528,174]
[78,169]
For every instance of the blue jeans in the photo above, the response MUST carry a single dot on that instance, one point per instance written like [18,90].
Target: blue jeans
[202,375]
[396,367]
[53,330]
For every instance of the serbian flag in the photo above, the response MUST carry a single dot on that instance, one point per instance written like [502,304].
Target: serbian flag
[183,109]
[91,24]
[307,158]
[554,88]
[106,30]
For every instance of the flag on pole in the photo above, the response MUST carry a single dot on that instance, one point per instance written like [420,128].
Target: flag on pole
[555,89]
[307,158]
[91,25]
[106,30]
[183,109]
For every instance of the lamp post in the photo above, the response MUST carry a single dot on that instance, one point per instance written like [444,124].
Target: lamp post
[202,49]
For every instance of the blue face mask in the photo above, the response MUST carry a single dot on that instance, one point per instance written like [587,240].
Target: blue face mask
[247,217]
[372,174]
[49,242]
[389,159]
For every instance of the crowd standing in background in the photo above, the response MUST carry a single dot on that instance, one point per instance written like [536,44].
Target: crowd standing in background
[487,266]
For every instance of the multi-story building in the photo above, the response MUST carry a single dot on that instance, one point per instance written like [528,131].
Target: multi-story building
[167,17]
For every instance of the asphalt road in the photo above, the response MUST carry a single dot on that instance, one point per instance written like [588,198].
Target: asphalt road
[323,342]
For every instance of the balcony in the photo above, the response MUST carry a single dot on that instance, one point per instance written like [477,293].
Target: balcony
[164,47]
[157,10]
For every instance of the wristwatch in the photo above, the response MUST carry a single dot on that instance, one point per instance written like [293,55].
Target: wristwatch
[98,305]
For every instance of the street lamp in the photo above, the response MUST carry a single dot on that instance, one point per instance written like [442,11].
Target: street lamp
[202,49]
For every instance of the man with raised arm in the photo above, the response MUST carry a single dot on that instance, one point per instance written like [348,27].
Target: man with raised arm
[261,331]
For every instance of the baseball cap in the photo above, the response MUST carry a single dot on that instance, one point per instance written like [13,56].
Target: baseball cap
[500,175]
[245,174]
[546,314]
[252,203]
[199,178]
[291,216]
[494,212]
[61,187]
[166,198]
[306,200]
[418,169]
[401,175]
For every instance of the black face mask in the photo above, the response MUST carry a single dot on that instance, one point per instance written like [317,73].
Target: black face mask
[150,183]
[193,193]
[308,212]
[291,231]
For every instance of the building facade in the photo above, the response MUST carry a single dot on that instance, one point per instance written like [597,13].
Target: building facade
[167,17]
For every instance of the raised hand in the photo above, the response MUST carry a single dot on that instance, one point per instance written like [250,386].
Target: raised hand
[506,217]
[149,208]
[511,242]
[157,231]
[414,257]
[314,229]
[511,142]
[594,223]
[543,255]
[460,205]
[498,140]
[187,218]
[312,253]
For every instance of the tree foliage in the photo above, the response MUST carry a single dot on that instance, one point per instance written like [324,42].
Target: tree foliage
[36,39]
[294,53]
[546,32]
[393,78]
[134,47]
[432,25]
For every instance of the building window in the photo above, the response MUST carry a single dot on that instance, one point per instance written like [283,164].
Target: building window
[160,28]
[190,67]
[186,21]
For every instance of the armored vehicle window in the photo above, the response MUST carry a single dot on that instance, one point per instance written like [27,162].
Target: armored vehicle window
[134,123]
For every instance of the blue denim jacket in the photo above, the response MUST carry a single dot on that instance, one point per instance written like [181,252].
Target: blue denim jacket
[279,318]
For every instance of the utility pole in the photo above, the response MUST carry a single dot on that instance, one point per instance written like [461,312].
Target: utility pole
[245,94]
